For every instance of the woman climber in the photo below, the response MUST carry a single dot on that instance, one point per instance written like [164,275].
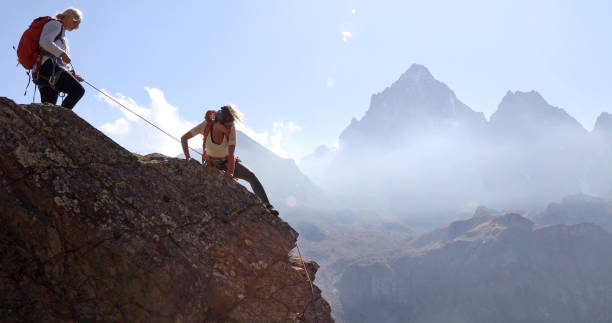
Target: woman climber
[219,145]
[51,72]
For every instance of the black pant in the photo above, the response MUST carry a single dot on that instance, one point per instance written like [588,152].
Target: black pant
[243,172]
[65,83]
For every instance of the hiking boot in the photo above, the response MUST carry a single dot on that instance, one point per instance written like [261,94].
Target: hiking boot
[272,210]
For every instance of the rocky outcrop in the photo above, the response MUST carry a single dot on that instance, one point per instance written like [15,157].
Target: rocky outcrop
[91,232]
[491,268]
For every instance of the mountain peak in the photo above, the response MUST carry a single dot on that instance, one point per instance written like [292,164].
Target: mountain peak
[529,111]
[415,73]
[519,97]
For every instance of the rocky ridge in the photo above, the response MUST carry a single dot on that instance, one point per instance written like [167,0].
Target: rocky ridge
[491,268]
[91,232]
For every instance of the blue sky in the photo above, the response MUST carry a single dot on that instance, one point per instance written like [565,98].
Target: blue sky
[297,75]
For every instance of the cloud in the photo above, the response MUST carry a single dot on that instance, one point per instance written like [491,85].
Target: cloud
[277,139]
[119,127]
[354,11]
[346,35]
[128,102]
[138,136]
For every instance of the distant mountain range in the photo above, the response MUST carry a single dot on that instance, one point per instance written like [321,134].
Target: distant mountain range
[419,149]
[577,209]
[490,268]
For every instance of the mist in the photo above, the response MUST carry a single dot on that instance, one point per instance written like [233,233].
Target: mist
[419,151]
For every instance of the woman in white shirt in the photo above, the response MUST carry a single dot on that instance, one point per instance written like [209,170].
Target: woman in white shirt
[51,72]
[219,145]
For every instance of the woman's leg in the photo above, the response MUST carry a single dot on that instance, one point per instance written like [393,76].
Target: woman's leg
[69,85]
[47,94]
[242,172]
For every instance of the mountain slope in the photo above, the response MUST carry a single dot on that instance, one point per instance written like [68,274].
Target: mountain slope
[499,268]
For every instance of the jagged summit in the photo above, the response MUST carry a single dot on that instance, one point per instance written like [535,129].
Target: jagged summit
[91,232]
[529,111]
[520,98]
[524,104]
[416,83]
[415,100]
[415,74]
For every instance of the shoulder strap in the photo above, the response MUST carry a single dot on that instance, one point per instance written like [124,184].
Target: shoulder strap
[61,29]
[207,129]
[60,34]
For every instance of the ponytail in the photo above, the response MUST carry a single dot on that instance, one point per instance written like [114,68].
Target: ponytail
[228,113]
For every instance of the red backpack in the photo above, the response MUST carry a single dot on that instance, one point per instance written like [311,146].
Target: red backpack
[28,48]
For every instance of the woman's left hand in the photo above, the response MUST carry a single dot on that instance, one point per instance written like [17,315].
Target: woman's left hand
[78,77]
[227,175]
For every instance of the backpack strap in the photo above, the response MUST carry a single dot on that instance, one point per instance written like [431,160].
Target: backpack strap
[207,129]
[42,52]
[58,37]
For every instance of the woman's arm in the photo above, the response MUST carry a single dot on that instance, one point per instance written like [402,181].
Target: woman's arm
[197,130]
[184,140]
[49,33]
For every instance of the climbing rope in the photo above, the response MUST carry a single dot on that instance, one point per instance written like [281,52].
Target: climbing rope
[306,271]
[147,121]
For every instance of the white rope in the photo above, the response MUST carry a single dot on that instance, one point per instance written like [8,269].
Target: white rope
[147,121]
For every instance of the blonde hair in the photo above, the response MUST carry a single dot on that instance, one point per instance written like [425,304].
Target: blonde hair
[74,12]
[228,113]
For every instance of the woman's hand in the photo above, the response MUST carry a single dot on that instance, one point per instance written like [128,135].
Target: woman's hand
[78,77]
[227,175]
[65,58]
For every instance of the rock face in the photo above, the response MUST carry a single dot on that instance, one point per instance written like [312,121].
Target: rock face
[491,268]
[91,232]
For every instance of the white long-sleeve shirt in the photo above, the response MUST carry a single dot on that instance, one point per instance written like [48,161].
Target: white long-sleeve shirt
[55,47]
